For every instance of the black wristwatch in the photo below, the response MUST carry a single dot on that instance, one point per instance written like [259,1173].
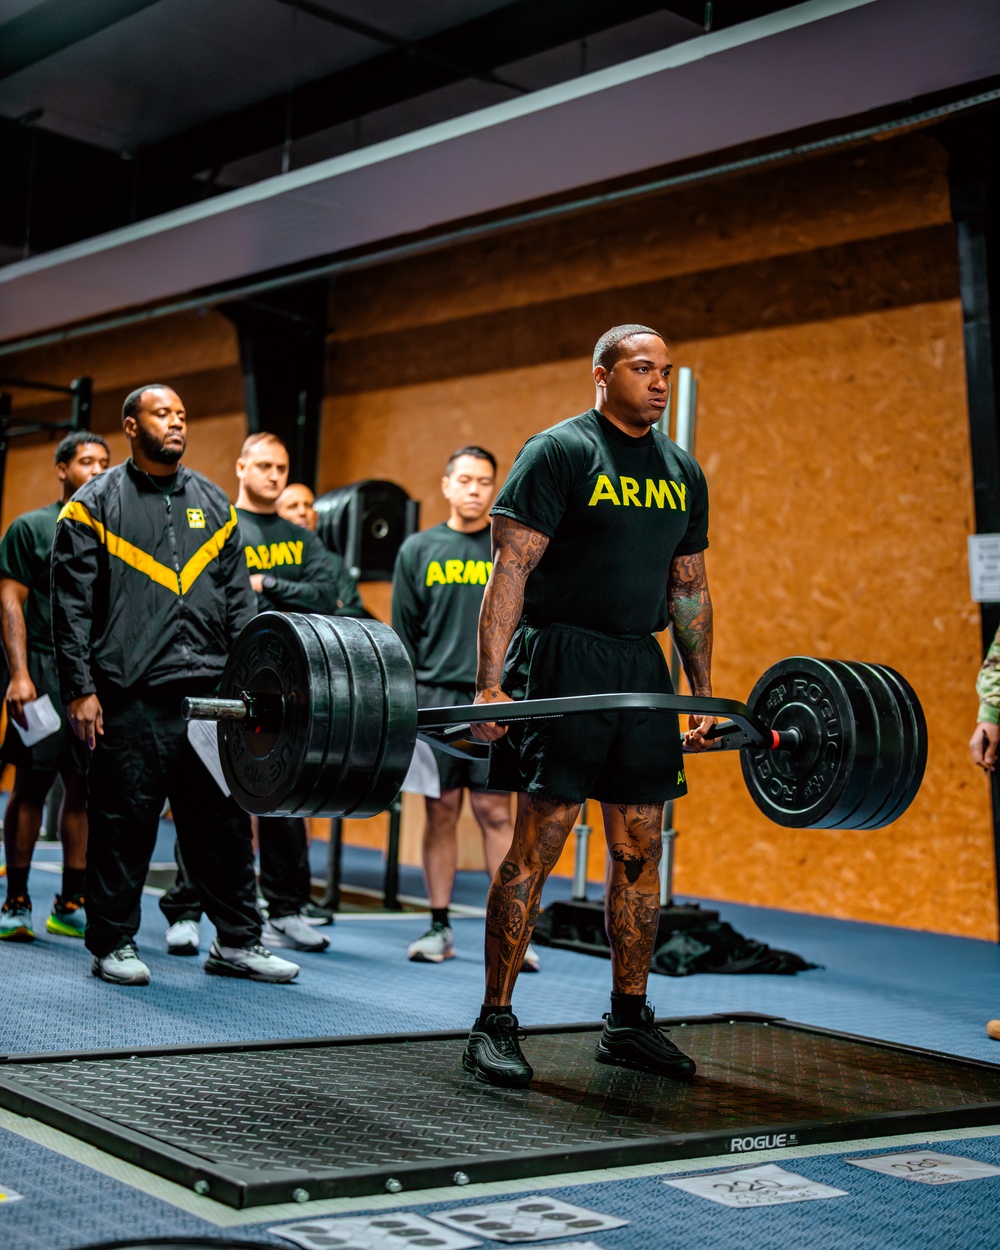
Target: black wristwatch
[269,581]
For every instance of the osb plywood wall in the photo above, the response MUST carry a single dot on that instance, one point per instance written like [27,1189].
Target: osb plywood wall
[197,354]
[818,307]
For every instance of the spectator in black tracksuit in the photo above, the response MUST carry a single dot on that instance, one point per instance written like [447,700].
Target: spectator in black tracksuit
[149,590]
[291,571]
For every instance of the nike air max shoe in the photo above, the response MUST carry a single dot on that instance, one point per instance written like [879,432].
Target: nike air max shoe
[643,1047]
[493,1052]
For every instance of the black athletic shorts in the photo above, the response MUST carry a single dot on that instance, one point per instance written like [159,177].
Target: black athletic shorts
[61,752]
[614,757]
[455,773]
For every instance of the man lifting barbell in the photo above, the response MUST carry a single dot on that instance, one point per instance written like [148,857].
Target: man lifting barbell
[599,536]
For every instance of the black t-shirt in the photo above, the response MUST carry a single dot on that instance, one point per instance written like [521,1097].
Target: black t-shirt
[26,556]
[617,511]
[293,559]
[437,591]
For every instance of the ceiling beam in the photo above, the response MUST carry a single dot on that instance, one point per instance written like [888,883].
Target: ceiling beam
[55,25]
[470,50]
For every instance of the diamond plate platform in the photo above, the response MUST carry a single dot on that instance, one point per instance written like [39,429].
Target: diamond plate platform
[265,1122]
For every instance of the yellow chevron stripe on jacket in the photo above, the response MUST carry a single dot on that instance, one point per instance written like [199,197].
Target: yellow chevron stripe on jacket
[142,561]
[206,553]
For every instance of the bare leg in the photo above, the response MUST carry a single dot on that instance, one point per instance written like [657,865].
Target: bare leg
[540,832]
[24,815]
[440,846]
[632,900]
[73,821]
[492,812]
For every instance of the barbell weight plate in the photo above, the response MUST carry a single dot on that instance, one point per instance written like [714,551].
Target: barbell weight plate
[271,769]
[914,746]
[800,787]
[875,772]
[381,717]
[340,792]
[893,760]
[399,729]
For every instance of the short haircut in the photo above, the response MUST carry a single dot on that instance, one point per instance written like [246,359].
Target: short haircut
[134,398]
[254,440]
[608,349]
[72,443]
[480,453]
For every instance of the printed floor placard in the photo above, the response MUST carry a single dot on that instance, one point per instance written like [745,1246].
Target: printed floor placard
[927,1167]
[763,1186]
[528,1219]
[392,1231]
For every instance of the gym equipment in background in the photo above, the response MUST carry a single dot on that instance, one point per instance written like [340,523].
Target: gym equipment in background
[366,524]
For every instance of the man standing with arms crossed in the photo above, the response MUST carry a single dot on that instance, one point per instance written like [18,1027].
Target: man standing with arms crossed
[599,536]
[149,592]
[26,623]
[437,592]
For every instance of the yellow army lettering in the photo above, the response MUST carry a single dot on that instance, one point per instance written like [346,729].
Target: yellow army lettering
[275,555]
[458,573]
[657,493]
[681,779]
[196,519]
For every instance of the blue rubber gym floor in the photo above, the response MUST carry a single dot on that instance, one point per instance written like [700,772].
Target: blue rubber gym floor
[922,989]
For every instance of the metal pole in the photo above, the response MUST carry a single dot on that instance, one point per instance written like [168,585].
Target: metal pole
[686,412]
[390,888]
[582,833]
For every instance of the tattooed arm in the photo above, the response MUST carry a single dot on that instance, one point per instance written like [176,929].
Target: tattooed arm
[690,607]
[517,548]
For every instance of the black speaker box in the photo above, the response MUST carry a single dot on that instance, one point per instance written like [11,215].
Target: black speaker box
[366,524]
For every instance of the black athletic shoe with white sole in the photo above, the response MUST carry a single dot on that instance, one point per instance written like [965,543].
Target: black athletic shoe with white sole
[493,1052]
[644,1048]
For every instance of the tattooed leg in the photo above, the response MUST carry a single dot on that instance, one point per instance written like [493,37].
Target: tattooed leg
[632,898]
[543,824]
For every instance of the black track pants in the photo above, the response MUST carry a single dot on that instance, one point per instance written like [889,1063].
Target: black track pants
[143,758]
[284,864]
[285,877]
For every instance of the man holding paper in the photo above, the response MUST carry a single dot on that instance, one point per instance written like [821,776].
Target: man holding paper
[39,742]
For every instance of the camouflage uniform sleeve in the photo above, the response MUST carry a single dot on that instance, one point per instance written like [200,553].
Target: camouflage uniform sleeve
[988,684]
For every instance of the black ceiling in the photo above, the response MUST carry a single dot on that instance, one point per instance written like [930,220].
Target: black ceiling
[116,110]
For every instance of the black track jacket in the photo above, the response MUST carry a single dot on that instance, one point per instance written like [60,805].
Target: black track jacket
[148,585]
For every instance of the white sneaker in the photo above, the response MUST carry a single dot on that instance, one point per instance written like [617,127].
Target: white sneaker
[183,938]
[255,962]
[294,932]
[433,947]
[122,966]
[531,962]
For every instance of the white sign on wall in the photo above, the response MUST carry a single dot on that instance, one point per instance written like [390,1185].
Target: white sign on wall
[984,567]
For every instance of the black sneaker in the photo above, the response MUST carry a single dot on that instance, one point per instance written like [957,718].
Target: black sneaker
[643,1047]
[493,1052]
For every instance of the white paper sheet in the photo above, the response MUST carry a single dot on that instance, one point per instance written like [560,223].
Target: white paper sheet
[535,1218]
[763,1186]
[204,737]
[9,1195]
[392,1231]
[927,1167]
[43,721]
[423,776]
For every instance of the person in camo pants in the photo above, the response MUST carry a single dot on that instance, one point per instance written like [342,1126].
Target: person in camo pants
[986,735]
